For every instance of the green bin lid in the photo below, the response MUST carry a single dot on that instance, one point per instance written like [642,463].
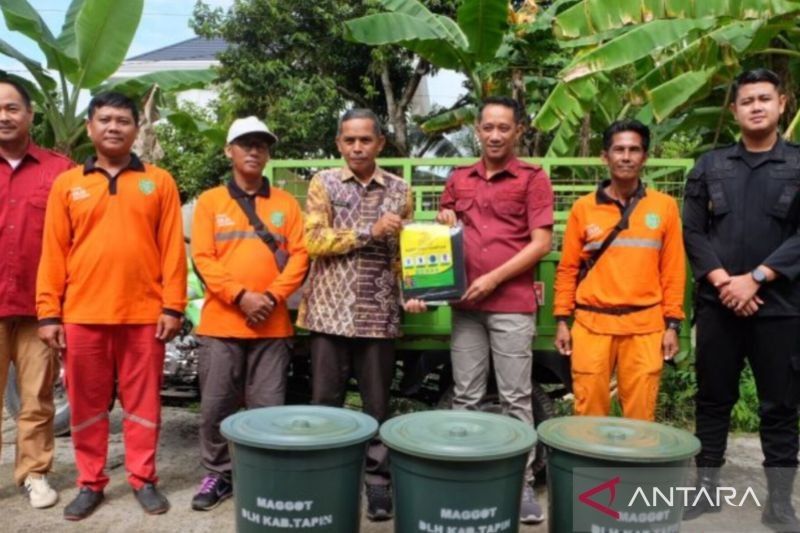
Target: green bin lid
[618,439]
[458,435]
[299,427]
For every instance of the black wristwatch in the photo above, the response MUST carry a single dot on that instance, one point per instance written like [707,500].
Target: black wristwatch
[758,276]
[675,325]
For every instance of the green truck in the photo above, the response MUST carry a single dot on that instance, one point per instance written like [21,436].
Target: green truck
[423,351]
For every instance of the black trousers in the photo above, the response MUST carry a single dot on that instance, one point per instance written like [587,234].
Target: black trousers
[772,347]
[371,361]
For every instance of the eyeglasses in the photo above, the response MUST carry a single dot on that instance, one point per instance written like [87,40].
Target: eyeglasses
[252,144]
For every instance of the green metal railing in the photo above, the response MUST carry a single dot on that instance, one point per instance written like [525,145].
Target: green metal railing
[570,177]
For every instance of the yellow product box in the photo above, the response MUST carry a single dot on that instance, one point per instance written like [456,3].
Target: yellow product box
[432,258]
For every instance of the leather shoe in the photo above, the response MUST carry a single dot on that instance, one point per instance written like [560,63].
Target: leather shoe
[84,504]
[151,500]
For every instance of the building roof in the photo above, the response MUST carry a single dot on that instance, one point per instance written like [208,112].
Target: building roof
[196,49]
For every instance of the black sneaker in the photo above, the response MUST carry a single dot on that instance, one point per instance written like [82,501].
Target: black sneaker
[379,502]
[84,504]
[151,500]
[214,490]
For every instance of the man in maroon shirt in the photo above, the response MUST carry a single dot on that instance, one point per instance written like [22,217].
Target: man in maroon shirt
[506,207]
[26,174]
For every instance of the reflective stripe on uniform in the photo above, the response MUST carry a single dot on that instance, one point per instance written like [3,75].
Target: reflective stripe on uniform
[89,422]
[625,243]
[139,420]
[235,235]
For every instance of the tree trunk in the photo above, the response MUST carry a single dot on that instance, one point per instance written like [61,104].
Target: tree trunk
[518,93]
[586,136]
[397,110]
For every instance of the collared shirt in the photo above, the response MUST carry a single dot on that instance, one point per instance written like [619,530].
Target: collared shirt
[737,216]
[23,198]
[643,267]
[499,214]
[353,287]
[231,258]
[113,250]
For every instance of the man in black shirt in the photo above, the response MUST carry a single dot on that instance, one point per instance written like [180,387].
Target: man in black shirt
[740,215]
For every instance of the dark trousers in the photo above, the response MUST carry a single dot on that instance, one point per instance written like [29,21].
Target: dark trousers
[236,373]
[769,345]
[371,361]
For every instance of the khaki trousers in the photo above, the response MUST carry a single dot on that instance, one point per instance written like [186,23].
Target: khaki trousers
[37,369]
[504,339]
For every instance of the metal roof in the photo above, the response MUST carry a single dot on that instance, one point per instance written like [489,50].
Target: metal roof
[196,49]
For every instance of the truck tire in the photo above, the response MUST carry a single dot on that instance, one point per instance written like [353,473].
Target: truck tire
[61,416]
[543,409]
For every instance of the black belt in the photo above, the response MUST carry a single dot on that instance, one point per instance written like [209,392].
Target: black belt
[616,311]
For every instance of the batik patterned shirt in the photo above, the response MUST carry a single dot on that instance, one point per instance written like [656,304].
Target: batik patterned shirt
[353,287]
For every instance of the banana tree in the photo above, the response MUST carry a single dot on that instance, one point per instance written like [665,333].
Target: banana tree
[92,44]
[467,44]
[662,57]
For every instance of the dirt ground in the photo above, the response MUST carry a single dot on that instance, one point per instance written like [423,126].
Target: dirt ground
[180,471]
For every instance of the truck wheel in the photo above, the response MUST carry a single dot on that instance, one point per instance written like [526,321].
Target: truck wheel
[543,409]
[61,417]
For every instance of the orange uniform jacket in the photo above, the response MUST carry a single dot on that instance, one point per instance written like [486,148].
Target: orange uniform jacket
[644,266]
[231,258]
[113,250]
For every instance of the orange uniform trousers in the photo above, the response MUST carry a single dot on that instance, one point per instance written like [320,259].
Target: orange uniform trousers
[95,357]
[36,368]
[638,361]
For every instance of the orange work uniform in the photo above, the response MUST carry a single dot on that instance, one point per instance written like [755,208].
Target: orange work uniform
[623,303]
[231,258]
[113,250]
[113,261]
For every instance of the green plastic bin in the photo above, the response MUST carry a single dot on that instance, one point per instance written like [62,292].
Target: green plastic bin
[298,468]
[615,474]
[457,471]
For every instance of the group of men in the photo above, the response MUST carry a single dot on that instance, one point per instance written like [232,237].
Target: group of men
[110,288]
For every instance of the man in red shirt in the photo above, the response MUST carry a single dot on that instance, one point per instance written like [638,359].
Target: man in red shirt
[26,174]
[506,207]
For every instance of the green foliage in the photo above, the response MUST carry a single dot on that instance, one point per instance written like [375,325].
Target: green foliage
[195,160]
[289,63]
[681,56]
[745,412]
[93,42]
[676,394]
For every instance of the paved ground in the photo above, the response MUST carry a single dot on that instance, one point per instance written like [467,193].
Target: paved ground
[180,472]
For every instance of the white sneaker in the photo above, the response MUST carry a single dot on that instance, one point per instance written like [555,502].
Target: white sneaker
[40,493]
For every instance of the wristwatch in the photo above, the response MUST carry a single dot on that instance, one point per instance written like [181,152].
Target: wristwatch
[674,324]
[758,276]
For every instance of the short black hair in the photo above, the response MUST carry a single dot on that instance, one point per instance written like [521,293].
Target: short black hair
[23,92]
[505,101]
[114,99]
[619,126]
[756,75]
[359,112]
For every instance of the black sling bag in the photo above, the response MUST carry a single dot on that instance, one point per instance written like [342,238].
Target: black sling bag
[587,265]
[281,257]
